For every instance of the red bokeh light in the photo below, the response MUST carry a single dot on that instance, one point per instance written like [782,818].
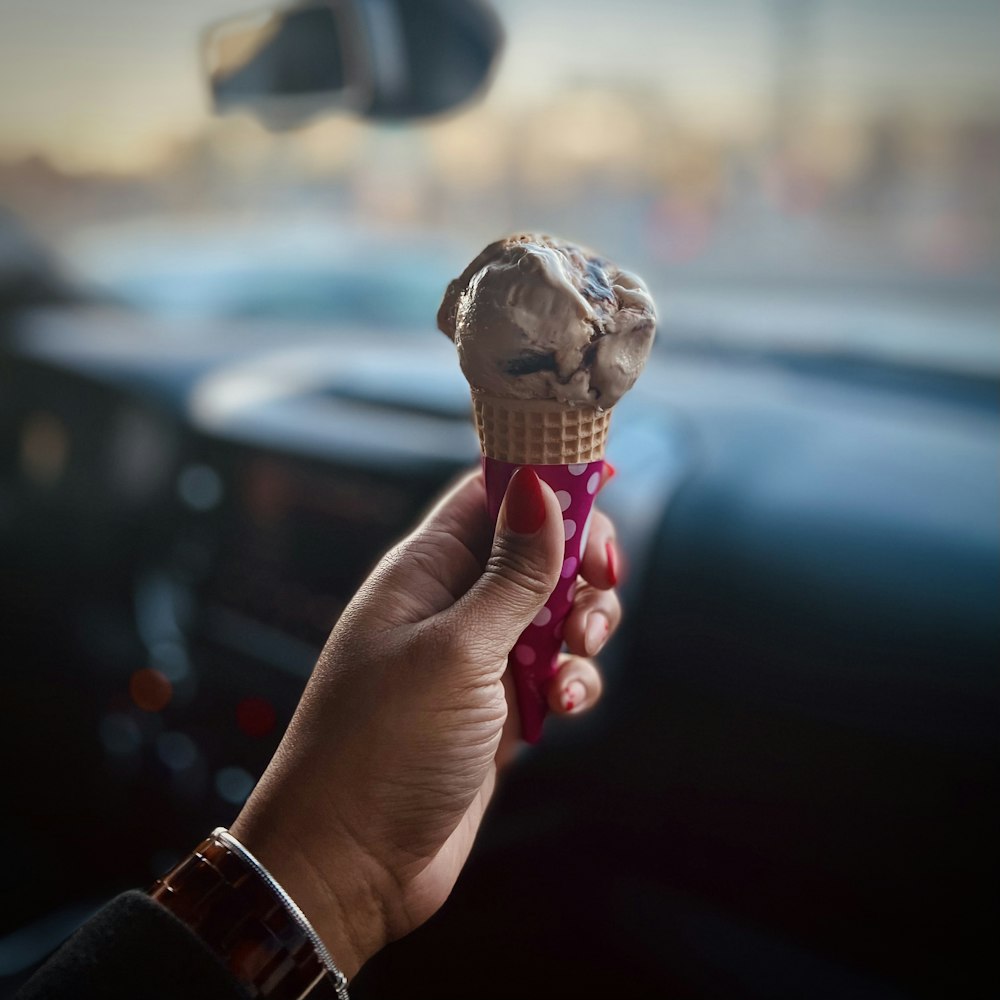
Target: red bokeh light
[255,717]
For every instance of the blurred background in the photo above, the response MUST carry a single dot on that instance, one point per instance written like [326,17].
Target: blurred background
[797,148]
[222,394]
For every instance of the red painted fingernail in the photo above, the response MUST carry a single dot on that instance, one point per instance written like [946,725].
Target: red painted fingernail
[612,555]
[608,474]
[573,695]
[525,503]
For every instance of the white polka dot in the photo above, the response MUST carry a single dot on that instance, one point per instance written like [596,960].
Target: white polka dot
[569,567]
[593,483]
[542,618]
[578,470]
[524,655]
[571,593]
[585,534]
[564,499]
[569,526]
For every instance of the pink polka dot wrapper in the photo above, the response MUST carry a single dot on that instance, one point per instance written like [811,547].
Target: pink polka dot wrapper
[534,659]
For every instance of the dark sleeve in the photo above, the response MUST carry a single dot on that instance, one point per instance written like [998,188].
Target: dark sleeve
[132,949]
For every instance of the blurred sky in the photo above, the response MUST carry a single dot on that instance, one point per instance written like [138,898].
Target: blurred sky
[114,84]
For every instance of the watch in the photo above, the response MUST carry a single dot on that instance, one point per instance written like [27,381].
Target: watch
[230,901]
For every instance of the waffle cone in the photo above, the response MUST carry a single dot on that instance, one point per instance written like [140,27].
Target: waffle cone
[539,432]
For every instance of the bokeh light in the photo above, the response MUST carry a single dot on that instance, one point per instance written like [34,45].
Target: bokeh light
[176,750]
[150,689]
[200,487]
[255,717]
[44,448]
[234,784]
[119,734]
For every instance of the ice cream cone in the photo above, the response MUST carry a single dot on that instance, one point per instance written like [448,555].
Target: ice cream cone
[539,432]
[547,332]
[565,447]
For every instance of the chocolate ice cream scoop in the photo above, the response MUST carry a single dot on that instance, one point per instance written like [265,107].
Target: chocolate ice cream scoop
[537,318]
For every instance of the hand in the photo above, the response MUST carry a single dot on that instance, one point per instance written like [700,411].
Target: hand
[368,810]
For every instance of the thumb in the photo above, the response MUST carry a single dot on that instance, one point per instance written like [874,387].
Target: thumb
[523,567]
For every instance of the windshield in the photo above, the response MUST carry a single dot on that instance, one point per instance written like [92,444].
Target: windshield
[817,174]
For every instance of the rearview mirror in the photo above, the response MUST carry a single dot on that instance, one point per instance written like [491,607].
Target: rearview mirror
[388,59]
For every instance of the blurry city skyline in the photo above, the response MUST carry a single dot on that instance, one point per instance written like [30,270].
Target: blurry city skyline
[803,142]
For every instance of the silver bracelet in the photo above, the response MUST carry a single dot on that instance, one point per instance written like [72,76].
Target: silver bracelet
[338,979]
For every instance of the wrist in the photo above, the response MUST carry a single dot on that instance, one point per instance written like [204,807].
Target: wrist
[244,916]
[327,878]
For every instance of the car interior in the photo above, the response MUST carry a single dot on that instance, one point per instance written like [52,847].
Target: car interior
[223,396]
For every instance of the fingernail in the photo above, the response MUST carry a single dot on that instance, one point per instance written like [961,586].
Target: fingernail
[573,695]
[608,474]
[525,503]
[596,633]
[612,553]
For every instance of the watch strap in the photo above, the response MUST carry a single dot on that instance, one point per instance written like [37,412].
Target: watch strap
[230,901]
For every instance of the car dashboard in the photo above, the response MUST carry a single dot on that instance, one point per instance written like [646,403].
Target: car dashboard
[786,789]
